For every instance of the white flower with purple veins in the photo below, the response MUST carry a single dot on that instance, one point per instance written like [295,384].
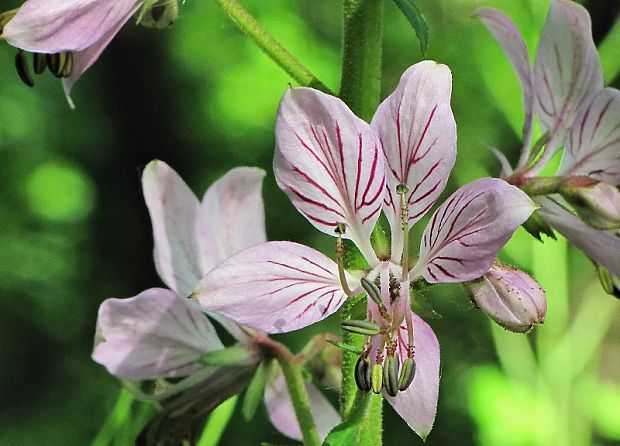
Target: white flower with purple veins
[68,36]
[160,333]
[340,173]
[565,91]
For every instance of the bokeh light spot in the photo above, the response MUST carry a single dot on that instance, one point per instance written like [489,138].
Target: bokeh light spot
[59,191]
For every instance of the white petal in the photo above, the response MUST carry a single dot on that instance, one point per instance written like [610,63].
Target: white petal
[274,287]
[593,144]
[469,228]
[328,162]
[151,335]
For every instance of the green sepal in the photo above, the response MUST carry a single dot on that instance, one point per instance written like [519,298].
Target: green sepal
[353,258]
[380,241]
[230,356]
[254,392]
[537,226]
[422,307]
[416,20]
[607,281]
[346,347]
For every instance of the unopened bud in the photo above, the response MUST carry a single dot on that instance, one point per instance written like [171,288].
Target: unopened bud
[510,297]
[390,375]
[363,377]
[596,203]
[366,328]
[377,378]
[407,373]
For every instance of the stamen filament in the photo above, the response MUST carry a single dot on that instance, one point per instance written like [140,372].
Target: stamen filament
[340,257]
[402,190]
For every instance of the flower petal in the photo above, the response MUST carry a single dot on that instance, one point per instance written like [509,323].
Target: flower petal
[274,287]
[45,26]
[234,215]
[83,59]
[510,39]
[176,221]
[469,228]
[601,246]
[417,405]
[418,136]
[593,144]
[282,414]
[567,72]
[328,162]
[151,335]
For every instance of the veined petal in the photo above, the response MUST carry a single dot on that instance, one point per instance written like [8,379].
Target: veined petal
[328,162]
[510,39]
[601,246]
[274,287]
[593,144]
[567,72]
[417,405]
[175,216]
[469,228]
[53,26]
[282,414]
[151,335]
[84,58]
[417,131]
[234,216]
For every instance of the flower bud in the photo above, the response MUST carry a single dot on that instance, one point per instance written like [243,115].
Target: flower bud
[596,203]
[510,297]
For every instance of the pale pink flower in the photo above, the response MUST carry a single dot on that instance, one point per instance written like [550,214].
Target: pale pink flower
[565,90]
[339,170]
[160,333]
[82,27]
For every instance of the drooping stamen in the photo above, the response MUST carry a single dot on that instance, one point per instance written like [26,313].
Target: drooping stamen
[39,63]
[377,368]
[21,65]
[407,373]
[363,373]
[67,68]
[340,230]
[390,370]
[402,190]
[53,63]
[364,327]
[375,294]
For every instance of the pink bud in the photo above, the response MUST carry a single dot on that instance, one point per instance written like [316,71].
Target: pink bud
[596,203]
[510,297]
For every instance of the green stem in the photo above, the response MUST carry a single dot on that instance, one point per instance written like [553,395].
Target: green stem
[296,389]
[360,84]
[542,186]
[270,46]
[360,89]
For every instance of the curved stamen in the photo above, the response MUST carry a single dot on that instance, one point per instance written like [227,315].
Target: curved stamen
[340,229]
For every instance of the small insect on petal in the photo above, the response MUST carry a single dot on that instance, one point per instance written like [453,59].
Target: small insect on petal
[21,64]
[390,376]
[361,327]
[407,373]
[363,377]
[377,378]
[39,62]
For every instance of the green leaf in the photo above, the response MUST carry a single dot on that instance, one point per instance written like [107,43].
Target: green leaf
[254,392]
[422,307]
[344,434]
[417,21]
[231,356]
[380,241]
[536,226]
[353,258]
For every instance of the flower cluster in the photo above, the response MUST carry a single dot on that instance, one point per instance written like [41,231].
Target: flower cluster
[341,173]
[565,91]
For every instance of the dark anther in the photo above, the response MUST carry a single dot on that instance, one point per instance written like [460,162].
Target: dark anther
[363,374]
[53,63]
[39,62]
[390,376]
[407,373]
[21,64]
[68,65]
[340,229]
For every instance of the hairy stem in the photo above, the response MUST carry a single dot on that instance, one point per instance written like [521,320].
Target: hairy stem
[270,46]
[360,85]
[296,389]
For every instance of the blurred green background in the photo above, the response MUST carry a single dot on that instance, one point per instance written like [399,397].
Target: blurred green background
[74,228]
